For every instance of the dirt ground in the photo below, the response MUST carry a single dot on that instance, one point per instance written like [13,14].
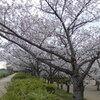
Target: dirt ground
[3,84]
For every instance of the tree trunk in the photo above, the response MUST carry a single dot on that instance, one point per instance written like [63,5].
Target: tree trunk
[61,85]
[98,89]
[78,89]
[68,88]
[51,80]
[57,85]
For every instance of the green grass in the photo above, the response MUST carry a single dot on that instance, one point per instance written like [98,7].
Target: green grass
[21,76]
[63,95]
[2,75]
[26,87]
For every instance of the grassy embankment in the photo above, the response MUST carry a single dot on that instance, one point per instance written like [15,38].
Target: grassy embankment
[2,75]
[26,87]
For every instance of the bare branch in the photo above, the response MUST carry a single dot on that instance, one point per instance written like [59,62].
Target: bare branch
[26,40]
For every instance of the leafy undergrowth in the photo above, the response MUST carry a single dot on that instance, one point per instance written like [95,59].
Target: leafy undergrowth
[63,94]
[26,87]
[2,75]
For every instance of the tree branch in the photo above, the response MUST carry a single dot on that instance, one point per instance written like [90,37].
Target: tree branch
[40,59]
[88,68]
[38,46]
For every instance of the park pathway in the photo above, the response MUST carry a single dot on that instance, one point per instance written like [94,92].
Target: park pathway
[90,93]
[3,84]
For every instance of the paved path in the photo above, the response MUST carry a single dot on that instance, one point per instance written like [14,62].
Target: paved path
[90,93]
[3,84]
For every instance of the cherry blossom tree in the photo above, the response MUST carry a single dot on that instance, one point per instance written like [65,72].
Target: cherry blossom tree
[67,25]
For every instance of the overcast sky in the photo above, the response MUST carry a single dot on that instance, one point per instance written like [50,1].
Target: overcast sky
[2,64]
[23,1]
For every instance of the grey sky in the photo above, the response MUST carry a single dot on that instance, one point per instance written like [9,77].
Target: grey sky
[2,64]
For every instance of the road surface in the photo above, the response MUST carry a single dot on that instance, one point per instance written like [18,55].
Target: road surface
[3,84]
[90,93]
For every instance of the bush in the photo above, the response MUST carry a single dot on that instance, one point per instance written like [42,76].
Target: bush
[2,75]
[26,87]
[50,88]
[63,80]
[21,76]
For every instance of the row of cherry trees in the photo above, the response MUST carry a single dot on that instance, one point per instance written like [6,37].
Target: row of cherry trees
[61,34]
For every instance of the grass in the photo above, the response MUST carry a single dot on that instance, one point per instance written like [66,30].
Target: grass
[63,94]
[2,75]
[26,87]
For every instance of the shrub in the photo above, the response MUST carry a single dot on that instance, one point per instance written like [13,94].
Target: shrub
[5,74]
[63,80]
[26,87]
[50,88]
[21,76]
